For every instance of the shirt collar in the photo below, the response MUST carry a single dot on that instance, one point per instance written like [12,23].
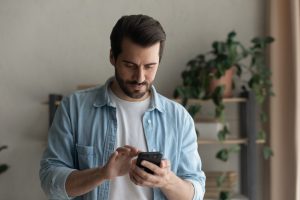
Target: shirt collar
[102,97]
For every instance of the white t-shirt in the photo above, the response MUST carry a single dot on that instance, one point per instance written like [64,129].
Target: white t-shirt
[129,132]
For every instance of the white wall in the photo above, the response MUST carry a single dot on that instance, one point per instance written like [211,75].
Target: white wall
[52,46]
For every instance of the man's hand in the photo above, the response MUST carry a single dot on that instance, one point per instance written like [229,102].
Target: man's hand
[119,162]
[80,182]
[163,178]
[160,178]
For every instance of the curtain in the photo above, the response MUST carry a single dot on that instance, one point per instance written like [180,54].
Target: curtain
[284,25]
[296,53]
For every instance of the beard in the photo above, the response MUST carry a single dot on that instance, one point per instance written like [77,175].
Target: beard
[128,87]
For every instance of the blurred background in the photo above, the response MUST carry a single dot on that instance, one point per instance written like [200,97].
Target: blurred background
[53,46]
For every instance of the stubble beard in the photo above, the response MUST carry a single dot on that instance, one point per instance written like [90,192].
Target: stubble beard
[132,94]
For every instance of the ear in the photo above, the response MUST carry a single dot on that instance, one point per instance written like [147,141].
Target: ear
[111,58]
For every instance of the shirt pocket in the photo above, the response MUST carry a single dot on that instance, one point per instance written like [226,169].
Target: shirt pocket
[86,156]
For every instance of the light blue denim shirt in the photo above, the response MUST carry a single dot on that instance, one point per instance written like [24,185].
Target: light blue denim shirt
[83,135]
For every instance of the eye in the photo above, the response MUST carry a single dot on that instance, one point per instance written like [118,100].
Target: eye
[129,65]
[149,66]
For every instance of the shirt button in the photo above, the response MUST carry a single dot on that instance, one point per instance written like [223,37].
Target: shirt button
[149,121]
[153,149]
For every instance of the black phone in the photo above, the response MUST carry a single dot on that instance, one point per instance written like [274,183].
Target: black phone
[153,157]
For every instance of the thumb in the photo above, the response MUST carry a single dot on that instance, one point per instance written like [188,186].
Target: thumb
[164,163]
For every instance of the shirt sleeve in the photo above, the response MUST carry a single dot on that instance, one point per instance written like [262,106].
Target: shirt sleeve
[58,159]
[190,166]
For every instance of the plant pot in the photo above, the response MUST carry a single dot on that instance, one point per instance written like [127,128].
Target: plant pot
[225,80]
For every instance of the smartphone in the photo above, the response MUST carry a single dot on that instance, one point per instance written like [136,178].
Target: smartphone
[153,157]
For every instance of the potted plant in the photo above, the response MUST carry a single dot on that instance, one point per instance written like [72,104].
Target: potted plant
[199,78]
[204,78]
[210,75]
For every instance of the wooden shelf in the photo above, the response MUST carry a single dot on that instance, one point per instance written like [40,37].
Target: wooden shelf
[47,103]
[229,141]
[206,120]
[225,100]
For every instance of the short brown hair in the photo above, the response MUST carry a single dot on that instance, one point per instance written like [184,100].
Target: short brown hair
[141,29]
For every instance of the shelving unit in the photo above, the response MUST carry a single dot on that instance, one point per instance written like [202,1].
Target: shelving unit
[247,139]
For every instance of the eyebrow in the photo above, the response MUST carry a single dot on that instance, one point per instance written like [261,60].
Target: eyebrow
[126,61]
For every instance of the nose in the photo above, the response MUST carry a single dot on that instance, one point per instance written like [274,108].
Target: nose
[140,75]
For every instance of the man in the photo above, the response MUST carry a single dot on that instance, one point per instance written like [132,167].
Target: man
[97,133]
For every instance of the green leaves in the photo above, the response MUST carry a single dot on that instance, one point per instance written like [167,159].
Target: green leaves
[260,81]
[261,42]
[217,97]
[226,54]
[223,133]
[193,110]
[267,151]
[261,135]
[224,195]
[224,153]
[195,79]
[231,35]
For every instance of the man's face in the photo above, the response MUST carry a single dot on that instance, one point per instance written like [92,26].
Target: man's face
[135,70]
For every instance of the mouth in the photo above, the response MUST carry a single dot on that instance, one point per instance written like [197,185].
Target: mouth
[137,86]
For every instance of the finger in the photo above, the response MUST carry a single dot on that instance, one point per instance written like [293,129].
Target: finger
[165,164]
[133,163]
[132,178]
[157,170]
[132,149]
[145,175]
[141,177]
[127,150]
[123,150]
[140,172]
